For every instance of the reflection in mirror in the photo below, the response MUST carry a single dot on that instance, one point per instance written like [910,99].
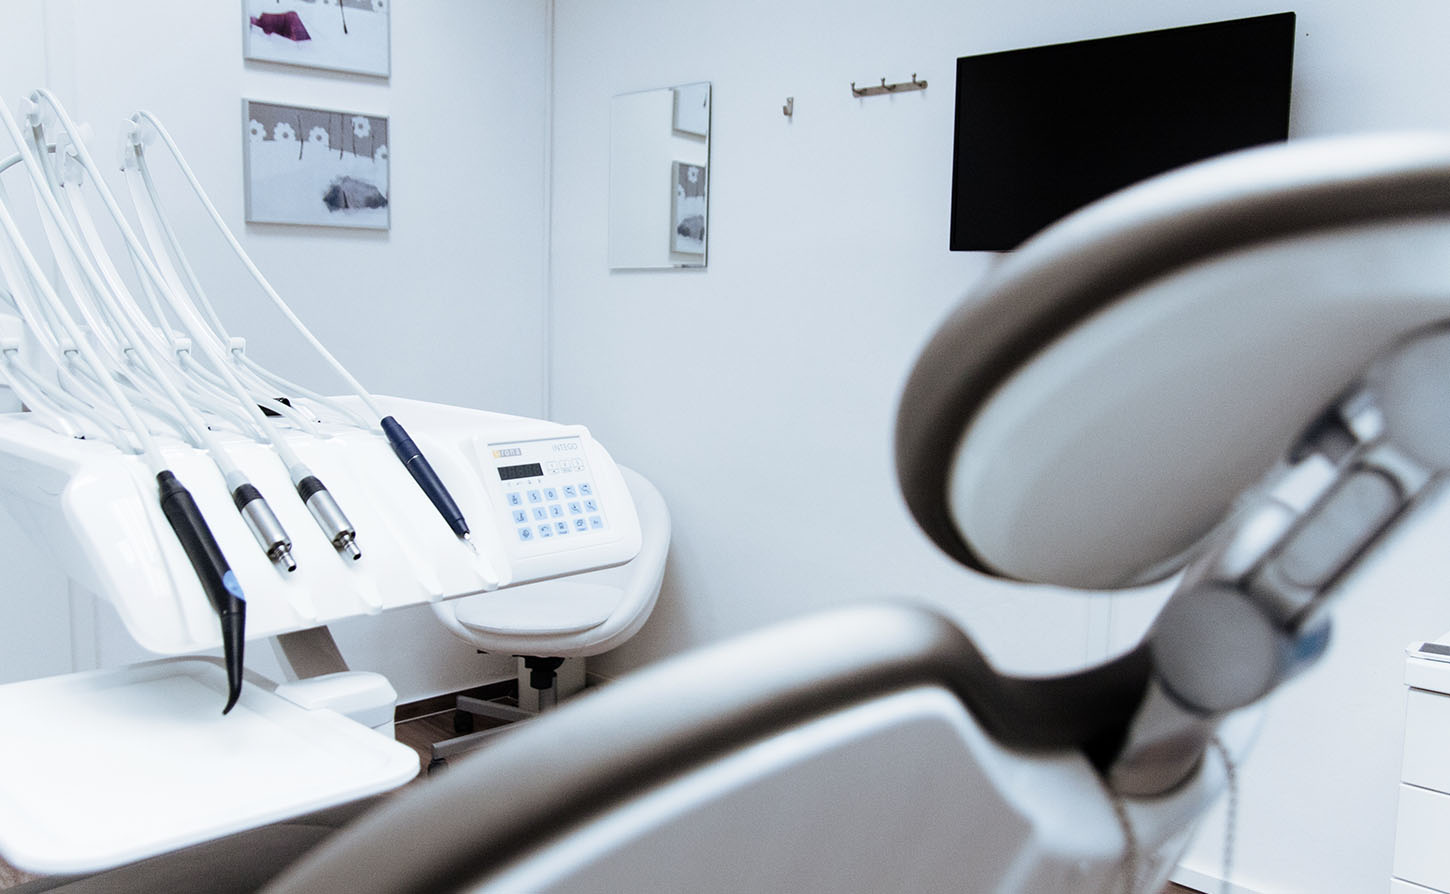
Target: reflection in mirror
[659,154]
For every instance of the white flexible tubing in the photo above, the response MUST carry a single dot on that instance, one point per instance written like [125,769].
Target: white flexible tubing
[207,388]
[7,222]
[47,332]
[145,213]
[103,332]
[62,405]
[141,334]
[218,402]
[153,196]
[157,214]
[295,466]
[236,246]
[198,292]
[88,287]
[86,296]
[48,415]
[152,352]
[23,300]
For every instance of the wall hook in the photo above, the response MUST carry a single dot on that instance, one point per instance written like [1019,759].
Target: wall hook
[887,88]
[789,108]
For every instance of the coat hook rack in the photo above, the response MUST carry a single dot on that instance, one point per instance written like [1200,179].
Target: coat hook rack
[884,87]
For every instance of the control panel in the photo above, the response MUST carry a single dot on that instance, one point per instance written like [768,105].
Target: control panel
[549,491]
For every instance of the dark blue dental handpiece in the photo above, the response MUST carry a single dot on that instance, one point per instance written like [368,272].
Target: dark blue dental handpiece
[214,573]
[423,473]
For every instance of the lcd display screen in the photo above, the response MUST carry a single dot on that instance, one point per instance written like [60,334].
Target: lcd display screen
[1042,131]
[528,470]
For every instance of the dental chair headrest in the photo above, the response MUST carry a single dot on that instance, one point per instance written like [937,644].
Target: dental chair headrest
[1088,415]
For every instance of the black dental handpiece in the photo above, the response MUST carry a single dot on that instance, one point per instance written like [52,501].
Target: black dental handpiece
[212,570]
[423,473]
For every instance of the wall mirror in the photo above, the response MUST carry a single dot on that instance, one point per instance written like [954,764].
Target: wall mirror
[659,171]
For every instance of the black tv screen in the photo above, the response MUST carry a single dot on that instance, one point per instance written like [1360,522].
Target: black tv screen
[1043,131]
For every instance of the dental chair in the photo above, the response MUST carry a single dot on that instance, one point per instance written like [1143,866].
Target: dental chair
[547,622]
[1234,374]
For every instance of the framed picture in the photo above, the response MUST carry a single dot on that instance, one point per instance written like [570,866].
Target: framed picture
[688,217]
[344,35]
[692,109]
[315,166]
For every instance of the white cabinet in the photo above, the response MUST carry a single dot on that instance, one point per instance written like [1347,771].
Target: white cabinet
[1422,831]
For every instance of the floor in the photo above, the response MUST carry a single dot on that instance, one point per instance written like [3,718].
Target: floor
[425,724]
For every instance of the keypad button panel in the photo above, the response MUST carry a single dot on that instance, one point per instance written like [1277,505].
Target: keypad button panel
[549,491]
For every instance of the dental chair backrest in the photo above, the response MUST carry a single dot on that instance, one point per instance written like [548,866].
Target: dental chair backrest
[1085,419]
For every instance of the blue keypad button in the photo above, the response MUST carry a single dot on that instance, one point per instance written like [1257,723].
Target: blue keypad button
[535,497]
[550,494]
[526,533]
[515,498]
[556,511]
[546,530]
[561,527]
[575,508]
[591,505]
[570,492]
[520,516]
[580,524]
[596,522]
[540,513]
[586,490]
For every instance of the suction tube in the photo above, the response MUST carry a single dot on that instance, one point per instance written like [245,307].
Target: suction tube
[214,573]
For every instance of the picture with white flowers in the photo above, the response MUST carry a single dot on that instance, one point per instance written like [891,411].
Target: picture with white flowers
[345,35]
[313,166]
[688,235]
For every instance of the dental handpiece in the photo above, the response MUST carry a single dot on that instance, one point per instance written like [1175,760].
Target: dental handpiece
[212,570]
[423,473]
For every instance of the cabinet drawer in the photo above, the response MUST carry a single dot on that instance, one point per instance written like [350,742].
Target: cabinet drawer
[1427,740]
[1421,830]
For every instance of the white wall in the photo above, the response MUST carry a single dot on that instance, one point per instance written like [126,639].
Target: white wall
[447,306]
[759,394]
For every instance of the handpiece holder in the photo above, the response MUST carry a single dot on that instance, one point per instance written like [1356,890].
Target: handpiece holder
[215,574]
[95,509]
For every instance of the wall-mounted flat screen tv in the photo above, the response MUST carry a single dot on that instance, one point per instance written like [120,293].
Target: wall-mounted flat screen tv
[1043,131]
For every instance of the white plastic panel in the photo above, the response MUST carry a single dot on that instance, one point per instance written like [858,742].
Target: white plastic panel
[1117,448]
[901,793]
[560,502]
[97,509]
[1421,830]
[121,797]
[1427,731]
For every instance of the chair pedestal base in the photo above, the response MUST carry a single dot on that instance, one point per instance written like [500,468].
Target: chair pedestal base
[542,683]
